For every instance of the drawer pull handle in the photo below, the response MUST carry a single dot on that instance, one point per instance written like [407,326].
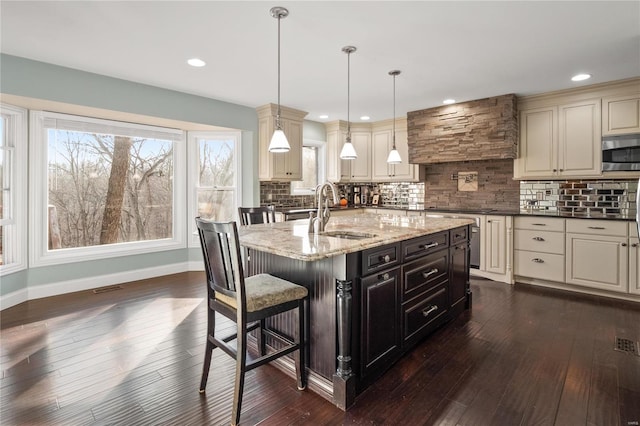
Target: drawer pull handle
[384,277]
[428,246]
[432,308]
[539,224]
[431,272]
[537,260]
[538,238]
[596,227]
[386,258]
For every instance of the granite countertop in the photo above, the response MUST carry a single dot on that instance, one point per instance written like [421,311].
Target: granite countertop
[291,239]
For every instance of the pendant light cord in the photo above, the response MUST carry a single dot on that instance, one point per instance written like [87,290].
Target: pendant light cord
[348,95]
[278,127]
[394,111]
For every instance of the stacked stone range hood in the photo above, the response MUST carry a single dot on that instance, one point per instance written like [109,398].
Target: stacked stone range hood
[483,129]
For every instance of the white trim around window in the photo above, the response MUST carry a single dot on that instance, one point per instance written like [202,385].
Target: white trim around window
[194,166]
[39,254]
[321,147]
[15,226]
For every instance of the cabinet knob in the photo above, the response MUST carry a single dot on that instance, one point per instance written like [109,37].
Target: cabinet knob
[488,221]
[623,244]
[384,277]
[634,245]
[562,170]
[431,272]
[537,260]
[386,258]
[427,311]
[538,238]
[555,170]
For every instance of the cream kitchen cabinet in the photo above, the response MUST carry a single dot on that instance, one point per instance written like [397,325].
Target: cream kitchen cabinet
[560,141]
[539,248]
[597,254]
[494,259]
[358,170]
[634,259]
[621,114]
[382,143]
[280,166]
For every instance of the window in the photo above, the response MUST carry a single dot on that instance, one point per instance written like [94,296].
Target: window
[104,188]
[214,160]
[312,168]
[13,181]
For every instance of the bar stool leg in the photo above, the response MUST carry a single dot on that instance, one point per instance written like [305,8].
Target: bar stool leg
[299,354]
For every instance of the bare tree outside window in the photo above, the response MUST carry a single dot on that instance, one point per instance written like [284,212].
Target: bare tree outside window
[216,193]
[106,189]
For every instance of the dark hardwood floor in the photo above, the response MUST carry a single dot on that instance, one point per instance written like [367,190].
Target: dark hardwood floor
[523,356]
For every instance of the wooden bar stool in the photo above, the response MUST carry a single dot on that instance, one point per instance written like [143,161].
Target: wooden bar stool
[253,215]
[247,301]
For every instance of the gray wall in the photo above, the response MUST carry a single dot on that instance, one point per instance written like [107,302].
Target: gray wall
[23,77]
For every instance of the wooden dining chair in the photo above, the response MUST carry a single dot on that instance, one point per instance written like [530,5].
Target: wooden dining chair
[253,215]
[248,302]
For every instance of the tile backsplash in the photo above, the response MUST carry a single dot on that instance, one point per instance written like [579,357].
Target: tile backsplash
[580,196]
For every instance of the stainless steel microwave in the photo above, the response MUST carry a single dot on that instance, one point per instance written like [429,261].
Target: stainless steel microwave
[621,153]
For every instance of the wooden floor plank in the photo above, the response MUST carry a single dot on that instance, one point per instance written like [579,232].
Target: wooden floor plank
[522,355]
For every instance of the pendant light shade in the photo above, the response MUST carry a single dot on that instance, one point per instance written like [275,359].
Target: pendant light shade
[348,151]
[394,155]
[279,142]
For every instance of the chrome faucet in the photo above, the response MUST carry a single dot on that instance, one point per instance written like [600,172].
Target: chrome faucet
[318,220]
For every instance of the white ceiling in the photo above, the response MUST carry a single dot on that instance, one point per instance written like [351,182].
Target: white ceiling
[453,49]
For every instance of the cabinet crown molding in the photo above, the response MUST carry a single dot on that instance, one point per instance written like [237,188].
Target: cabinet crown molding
[269,110]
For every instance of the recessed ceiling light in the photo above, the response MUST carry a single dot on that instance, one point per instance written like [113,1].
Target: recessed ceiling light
[580,77]
[365,118]
[323,116]
[196,62]
[449,101]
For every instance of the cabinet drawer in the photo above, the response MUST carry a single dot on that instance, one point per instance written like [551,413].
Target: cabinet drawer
[458,234]
[423,315]
[422,246]
[425,273]
[539,265]
[379,258]
[540,241]
[541,223]
[597,227]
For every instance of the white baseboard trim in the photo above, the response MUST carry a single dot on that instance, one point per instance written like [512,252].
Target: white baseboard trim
[89,283]
[14,298]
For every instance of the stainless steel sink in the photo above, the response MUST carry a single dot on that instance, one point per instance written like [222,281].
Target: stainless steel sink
[347,235]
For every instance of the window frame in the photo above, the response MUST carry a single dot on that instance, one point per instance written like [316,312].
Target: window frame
[193,160]
[15,229]
[40,255]
[321,148]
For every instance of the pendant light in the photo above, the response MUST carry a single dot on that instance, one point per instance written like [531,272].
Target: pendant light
[394,155]
[279,142]
[348,151]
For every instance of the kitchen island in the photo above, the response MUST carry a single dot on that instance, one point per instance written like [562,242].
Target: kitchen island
[378,284]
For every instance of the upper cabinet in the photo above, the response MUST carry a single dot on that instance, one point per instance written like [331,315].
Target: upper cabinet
[358,170]
[621,115]
[372,142]
[560,141]
[280,166]
[561,132]
[382,143]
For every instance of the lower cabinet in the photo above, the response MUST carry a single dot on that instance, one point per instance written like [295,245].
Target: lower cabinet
[381,340]
[634,265]
[406,291]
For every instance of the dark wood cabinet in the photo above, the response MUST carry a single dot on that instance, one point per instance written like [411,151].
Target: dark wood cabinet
[407,291]
[380,313]
[459,277]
